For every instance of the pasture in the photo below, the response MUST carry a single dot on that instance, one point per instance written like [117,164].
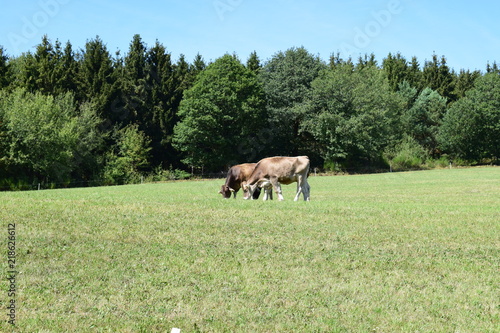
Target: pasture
[396,252]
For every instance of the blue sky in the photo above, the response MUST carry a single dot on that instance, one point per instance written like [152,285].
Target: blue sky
[466,33]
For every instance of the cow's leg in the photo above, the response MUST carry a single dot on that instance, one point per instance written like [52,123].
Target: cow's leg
[267,188]
[306,191]
[252,192]
[277,188]
[299,190]
[269,191]
[266,194]
[300,183]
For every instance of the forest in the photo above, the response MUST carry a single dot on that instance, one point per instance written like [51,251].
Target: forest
[86,117]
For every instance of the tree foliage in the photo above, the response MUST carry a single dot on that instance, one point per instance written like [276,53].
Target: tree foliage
[471,127]
[47,137]
[423,119]
[223,108]
[128,157]
[287,80]
[68,115]
[350,115]
[4,69]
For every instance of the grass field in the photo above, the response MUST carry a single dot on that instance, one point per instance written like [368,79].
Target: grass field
[398,252]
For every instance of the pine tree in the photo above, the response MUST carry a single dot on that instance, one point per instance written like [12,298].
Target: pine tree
[335,60]
[396,69]
[50,70]
[287,80]
[464,81]
[96,81]
[197,67]
[133,88]
[162,100]
[414,75]
[253,62]
[182,74]
[492,68]
[45,61]
[366,61]
[4,69]
[66,70]
[423,119]
[438,76]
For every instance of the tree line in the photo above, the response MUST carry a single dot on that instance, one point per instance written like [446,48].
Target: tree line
[91,117]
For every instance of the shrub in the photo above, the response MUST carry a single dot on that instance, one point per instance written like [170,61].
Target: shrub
[159,174]
[128,158]
[442,162]
[406,155]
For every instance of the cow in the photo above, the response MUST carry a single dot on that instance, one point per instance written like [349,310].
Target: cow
[236,176]
[274,171]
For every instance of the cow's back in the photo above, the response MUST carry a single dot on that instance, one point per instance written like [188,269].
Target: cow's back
[246,170]
[282,167]
[238,174]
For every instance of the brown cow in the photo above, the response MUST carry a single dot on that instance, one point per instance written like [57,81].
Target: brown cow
[280,170]
[236,176]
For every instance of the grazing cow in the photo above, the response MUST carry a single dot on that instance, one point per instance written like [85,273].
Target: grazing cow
[280,170]
[237,175]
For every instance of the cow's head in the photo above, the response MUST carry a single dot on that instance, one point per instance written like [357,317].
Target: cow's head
[253,191]
[249,190]
[226,191]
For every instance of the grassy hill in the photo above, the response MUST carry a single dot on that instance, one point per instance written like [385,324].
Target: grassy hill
[417,251]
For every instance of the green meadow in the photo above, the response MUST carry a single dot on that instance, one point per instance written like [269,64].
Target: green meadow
[394,252]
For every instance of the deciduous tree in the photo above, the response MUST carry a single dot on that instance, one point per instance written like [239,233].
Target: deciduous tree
[350,114]
[471,127]
[223,108]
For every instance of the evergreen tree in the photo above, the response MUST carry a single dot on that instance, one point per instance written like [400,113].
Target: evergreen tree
[134,89]
[423,119]
[164,100]
[287,79]
[68,67]
[464,82]
[39,71]
[46,63]
[366,61]
[408,93]
[96,82]
[336,60]
[4,69]
[492,68]
[253,62]
[437,76]
[50,70]
[197,67]
[414,74]
[396,69]
[184,80]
